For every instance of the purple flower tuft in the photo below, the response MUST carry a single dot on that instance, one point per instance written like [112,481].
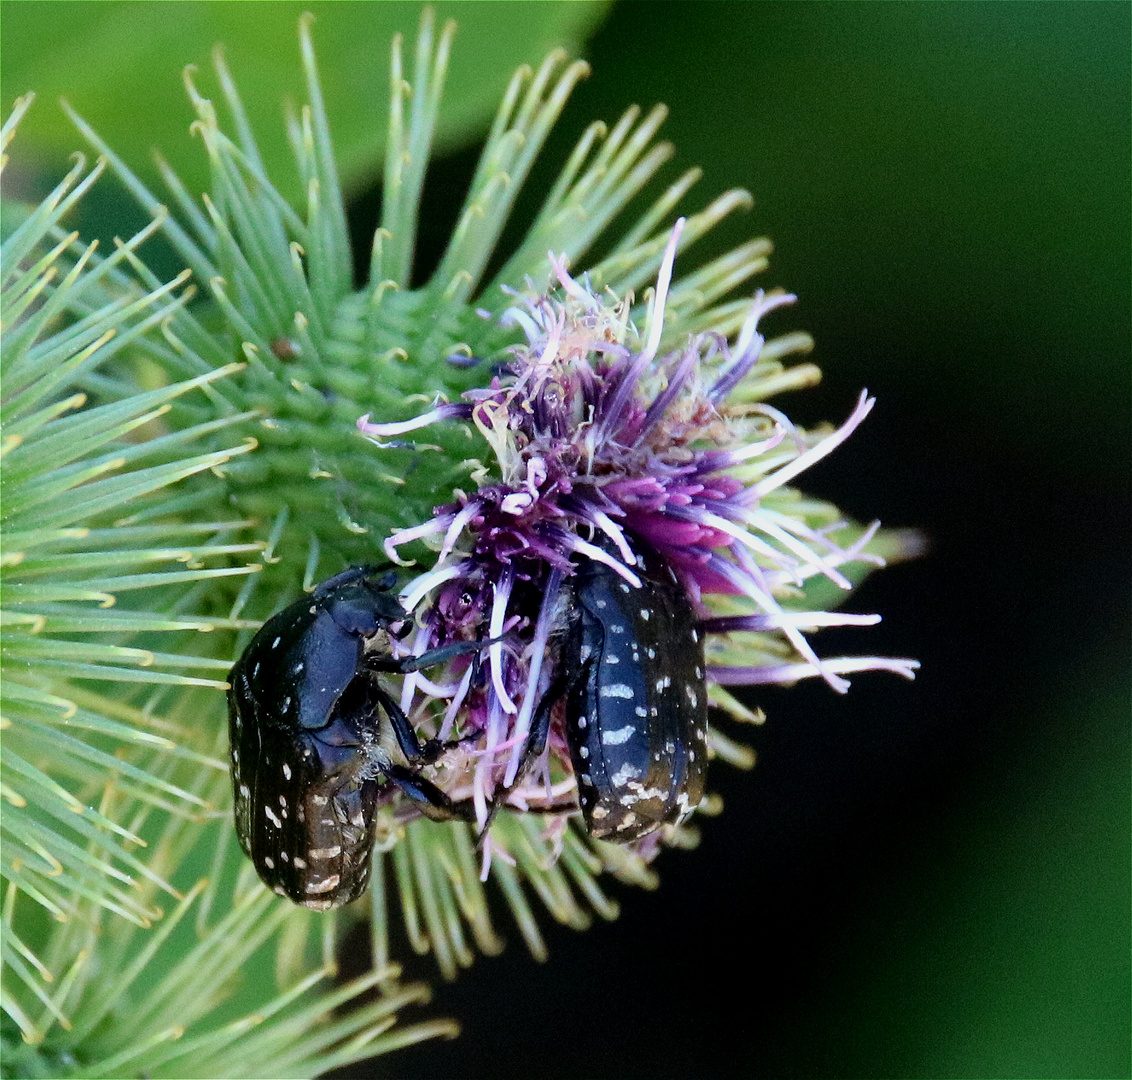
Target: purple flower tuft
[594,433]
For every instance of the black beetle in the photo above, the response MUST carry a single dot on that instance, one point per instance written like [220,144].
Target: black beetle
[307,764]
[631,670]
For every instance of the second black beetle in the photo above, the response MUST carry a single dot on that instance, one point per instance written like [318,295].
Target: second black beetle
[631,674]
[307,764]
[636,710]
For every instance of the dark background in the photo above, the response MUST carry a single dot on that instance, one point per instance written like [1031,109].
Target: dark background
[919,879]
[925,879]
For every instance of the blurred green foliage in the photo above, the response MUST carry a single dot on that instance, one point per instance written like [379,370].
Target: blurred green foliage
[1000,948]
[119,62]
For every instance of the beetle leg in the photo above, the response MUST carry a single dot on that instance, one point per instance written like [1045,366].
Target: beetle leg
[402,729]
[432,749]
[442,653]
[416,752]
[413,749]
[536,740]
[421,792]
[354,573]
[540,722]
[406,664]
[427,797]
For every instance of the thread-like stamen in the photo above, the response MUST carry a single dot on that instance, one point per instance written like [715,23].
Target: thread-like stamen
[816,453]
[455,411]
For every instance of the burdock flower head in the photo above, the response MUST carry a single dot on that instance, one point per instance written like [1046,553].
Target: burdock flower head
[177,473]
[606,448]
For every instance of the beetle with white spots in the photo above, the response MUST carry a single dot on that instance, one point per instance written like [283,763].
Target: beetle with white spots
[304,723]
[630,672]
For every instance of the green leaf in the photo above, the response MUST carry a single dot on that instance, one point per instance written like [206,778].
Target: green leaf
[106,58]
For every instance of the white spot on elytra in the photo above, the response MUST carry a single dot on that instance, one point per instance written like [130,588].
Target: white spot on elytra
[645,613]
[324,886]
[286,771]
[584,752]
[616,738]
[275,643]
[272,818]
[617,690]
[623,775]
[325,852]
[300,862]
[269,862]
[641,711]
[611,659]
